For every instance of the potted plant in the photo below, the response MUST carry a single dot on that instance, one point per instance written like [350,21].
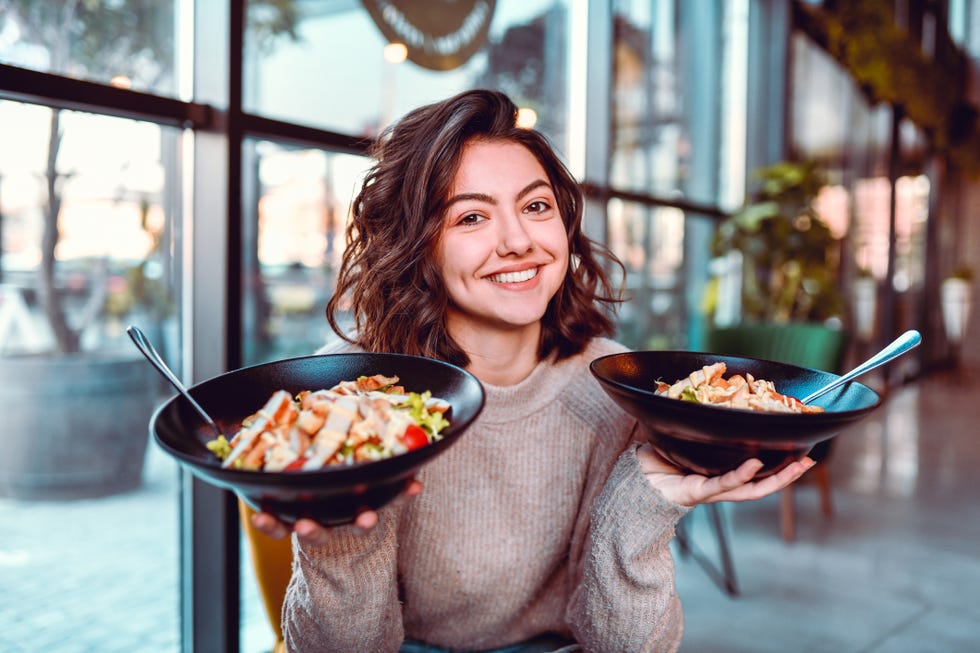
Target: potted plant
[789,255]
[956,294]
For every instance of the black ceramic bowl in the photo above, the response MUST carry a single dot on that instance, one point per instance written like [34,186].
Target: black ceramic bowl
[332,495]
[712,440]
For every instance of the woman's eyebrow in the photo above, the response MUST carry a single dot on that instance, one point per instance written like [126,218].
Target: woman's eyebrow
[479,197]
[483,197]
[537,183]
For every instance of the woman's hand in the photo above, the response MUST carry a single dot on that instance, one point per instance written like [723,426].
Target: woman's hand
[310,532]
[736,485]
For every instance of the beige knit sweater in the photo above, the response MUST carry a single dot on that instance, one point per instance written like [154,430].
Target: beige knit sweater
[537,520]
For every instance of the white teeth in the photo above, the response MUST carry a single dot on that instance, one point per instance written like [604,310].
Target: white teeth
[515,277]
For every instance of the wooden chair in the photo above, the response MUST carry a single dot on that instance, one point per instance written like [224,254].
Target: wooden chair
[808,345]
[787,508]
[272,560]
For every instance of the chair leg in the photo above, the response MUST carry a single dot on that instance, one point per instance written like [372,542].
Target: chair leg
[823,483]
[680,534]
[787,513]
[727,565]
[725,577]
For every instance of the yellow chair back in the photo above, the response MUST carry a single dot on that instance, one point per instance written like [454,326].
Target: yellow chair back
[272,560]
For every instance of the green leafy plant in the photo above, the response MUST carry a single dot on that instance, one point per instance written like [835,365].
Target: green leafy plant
[889,66]
[790,257]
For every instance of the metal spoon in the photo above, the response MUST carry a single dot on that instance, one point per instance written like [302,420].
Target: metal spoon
[905,342]
[143,344]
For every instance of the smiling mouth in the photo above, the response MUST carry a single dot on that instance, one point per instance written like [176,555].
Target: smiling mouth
[514,277]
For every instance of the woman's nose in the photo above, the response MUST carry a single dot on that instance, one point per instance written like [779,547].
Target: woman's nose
[513,237]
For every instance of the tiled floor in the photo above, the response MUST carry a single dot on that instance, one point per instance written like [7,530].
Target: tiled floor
[101,575]
[895,570]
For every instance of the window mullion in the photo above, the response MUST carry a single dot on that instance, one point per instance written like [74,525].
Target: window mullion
[209,520]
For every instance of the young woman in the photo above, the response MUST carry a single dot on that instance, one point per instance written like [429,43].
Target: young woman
[547,527]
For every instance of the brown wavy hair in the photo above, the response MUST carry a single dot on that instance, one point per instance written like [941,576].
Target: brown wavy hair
[389,277]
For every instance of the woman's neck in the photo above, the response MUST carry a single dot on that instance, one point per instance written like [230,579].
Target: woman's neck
[498,357]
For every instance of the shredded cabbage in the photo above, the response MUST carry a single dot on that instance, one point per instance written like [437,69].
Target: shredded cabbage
[220,447]
[433,422]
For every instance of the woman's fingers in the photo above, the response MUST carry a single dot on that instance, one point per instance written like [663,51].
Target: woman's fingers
[748,490]
[736,485]
[366,520]
[269,525]
[414,487]
[311,532]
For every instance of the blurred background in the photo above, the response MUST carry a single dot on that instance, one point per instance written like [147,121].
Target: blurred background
[188,166]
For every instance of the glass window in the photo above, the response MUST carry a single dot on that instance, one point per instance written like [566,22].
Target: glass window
[848,127]
[872,222]
[668,93]
[649,240]
[964,25]
[677,137]
[127,44]
[833,123]
[87,246]
[337,73]
[298,201]
[649,135]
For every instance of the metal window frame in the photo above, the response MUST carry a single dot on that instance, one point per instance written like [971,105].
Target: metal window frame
[209,530]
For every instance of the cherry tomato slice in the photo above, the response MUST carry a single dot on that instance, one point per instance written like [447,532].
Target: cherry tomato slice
[414,437]
[296,465]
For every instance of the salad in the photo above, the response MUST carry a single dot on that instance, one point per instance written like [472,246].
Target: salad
[709,386]
[354,421]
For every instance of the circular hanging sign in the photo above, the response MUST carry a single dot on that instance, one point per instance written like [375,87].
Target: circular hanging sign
[439,34]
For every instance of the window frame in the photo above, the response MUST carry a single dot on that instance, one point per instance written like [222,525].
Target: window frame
[215,127]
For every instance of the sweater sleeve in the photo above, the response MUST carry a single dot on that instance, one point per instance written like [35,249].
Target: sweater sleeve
[343,596]
[625,599]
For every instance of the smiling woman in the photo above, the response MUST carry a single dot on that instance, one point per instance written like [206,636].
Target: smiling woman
[516,539]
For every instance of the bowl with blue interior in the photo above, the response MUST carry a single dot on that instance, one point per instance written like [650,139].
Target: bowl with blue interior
[324,436]
[702,434]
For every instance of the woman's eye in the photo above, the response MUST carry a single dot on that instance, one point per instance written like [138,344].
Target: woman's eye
[470,219]
[537,206]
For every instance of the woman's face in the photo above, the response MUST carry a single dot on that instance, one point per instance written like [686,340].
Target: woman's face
[503,251]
